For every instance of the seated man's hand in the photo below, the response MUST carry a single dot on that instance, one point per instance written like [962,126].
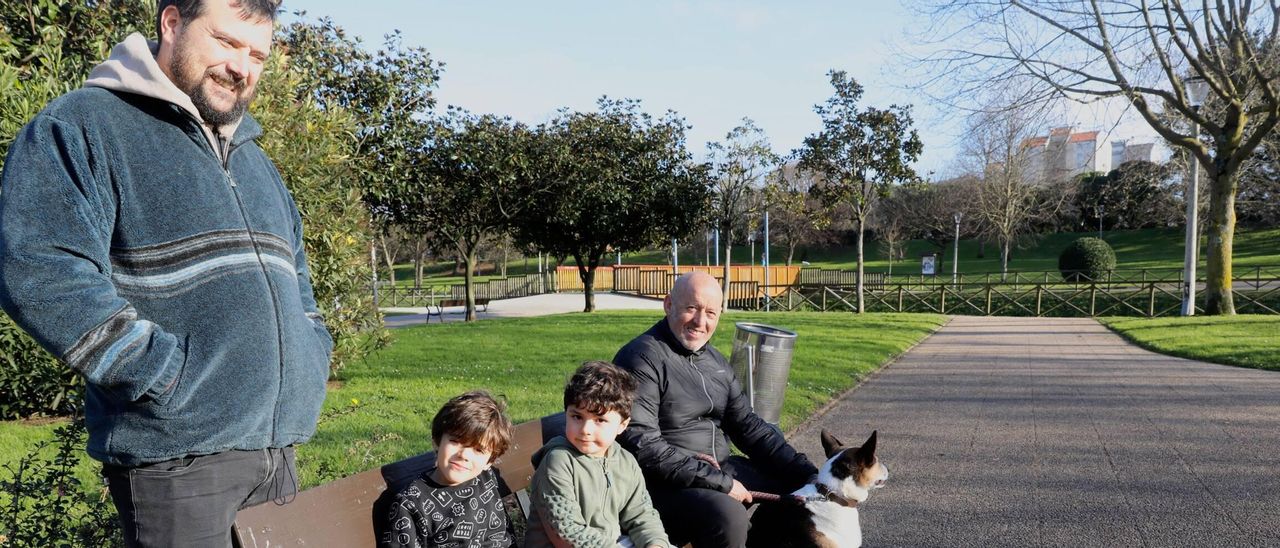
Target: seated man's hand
[740,493]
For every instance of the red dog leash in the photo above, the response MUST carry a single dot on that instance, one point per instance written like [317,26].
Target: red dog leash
[826,492]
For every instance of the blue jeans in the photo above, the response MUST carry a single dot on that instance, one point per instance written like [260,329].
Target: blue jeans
[192,501]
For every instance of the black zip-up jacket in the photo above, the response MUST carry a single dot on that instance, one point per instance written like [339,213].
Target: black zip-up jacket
[689,403]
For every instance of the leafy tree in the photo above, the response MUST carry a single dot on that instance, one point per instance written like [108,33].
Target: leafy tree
[313,150]
[738,168]
[468,180]
[616,178]
[860,154]
[1140,52]
[1137,194]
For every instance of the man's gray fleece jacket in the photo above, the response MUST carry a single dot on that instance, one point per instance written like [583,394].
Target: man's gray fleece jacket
[164,263]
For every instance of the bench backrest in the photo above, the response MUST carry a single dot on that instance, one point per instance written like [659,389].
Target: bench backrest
[346,513]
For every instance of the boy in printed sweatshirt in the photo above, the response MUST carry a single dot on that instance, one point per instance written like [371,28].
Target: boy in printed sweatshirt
[456,504]
[588,492]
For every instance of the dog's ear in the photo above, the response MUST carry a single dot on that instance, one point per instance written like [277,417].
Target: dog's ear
[867,453]
[830,445]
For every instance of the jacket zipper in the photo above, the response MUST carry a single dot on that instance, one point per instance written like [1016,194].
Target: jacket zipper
[225,160]
[711,410]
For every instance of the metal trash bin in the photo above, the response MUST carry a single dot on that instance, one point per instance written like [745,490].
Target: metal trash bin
[762,360]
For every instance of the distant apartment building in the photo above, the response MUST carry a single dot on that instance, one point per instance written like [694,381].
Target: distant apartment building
[1064,154]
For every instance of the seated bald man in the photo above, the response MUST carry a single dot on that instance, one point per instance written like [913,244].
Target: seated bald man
[689,402]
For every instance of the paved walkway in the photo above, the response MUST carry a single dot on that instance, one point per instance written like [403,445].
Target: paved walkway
[1054,432]
[537,305]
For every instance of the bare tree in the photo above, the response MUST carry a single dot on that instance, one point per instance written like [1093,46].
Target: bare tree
[796,217]
[739,166]
[891,225]
[1007,196]
[1141,51]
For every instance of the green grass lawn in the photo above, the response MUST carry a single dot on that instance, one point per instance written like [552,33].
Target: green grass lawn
[382,409]
[1245,340]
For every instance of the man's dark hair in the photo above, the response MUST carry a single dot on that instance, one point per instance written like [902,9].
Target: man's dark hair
[601,387]
[191,9]
[476,420]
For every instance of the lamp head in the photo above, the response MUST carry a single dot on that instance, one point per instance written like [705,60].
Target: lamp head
[1197,90]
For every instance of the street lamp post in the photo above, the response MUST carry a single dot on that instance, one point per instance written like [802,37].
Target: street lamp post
[1196,89]
[1100,220]
[955,254]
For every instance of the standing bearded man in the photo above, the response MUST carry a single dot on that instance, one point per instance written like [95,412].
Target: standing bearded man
[148,242]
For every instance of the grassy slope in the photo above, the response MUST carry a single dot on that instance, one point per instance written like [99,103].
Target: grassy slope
[1246,340]
[383,409]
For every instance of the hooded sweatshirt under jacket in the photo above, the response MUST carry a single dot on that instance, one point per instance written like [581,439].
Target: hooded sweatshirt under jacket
[165,264]
[588,502]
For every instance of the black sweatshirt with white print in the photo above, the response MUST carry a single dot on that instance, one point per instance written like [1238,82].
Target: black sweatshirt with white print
[468,515]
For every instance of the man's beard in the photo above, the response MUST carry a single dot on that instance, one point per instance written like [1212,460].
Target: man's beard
[193,87]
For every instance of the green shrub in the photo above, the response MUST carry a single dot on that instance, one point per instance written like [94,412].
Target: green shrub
[31,380]
[45,504]
[1086,259]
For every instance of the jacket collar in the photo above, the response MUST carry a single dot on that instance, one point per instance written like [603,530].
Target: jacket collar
[663,331]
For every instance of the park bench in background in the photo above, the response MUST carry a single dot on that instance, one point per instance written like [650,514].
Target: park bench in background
[482,305]
[348,513]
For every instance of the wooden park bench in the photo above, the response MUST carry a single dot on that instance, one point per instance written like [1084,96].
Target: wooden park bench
[482,305]
[349,513]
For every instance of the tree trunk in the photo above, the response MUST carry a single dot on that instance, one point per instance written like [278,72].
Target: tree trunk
[791,252]
[419,253]
[1005,244]
[588,276]
[727,240]
[504,260]
[469,284]
[1220,232]
[862,224]
[391,261]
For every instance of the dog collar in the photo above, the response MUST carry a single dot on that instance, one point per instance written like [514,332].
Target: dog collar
[835,497]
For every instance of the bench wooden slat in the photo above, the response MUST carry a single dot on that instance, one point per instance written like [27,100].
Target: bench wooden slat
[344,513]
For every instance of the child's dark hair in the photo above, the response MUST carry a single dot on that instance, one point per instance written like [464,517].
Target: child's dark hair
[601,387]
[474,419]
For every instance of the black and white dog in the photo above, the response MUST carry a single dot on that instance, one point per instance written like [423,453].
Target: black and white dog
[826,515]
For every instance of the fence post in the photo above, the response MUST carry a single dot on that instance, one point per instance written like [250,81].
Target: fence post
[1093,288]
[942,299]
[988,299]
[1039,288]
[825,289]
[900,298]
[1151,301]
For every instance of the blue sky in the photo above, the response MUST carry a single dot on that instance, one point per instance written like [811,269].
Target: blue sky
[714,62]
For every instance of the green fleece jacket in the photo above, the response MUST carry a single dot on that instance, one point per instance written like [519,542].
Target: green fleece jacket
[589,502]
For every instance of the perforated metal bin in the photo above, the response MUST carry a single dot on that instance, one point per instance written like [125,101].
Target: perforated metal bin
[762,360]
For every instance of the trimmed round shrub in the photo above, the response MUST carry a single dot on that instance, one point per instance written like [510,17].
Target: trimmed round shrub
[1087,259]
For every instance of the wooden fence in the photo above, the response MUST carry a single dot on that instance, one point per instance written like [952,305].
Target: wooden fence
[1139,292]
[492,289]
[1255,291]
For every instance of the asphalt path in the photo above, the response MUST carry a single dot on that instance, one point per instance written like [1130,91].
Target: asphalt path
[1056,432]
